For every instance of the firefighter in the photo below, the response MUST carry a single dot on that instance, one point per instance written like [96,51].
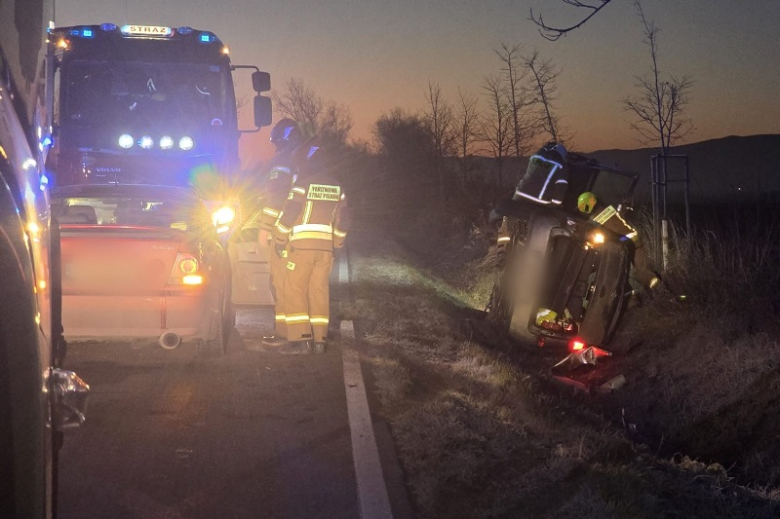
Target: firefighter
[610,218]
[544,183]
[312,224]
[287,137]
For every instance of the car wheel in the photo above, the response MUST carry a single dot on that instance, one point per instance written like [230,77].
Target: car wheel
[500,307]
[215,346]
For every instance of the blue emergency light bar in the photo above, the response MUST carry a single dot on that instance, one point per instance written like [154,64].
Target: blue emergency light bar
[141,31]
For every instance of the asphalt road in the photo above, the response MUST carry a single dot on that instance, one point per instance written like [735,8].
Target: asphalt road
[253,434]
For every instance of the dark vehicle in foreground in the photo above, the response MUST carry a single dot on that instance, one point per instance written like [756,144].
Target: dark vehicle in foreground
[143,262]
[565,277]
[38,398]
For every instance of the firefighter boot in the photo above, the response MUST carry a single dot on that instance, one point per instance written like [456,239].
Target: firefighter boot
[296,348]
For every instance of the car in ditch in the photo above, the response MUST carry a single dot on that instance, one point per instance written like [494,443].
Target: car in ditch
[143,262]
[565,277]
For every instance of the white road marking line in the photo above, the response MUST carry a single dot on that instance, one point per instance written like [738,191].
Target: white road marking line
[372,490]
[343,270]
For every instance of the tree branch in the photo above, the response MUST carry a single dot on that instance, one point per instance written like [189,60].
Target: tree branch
[553,33]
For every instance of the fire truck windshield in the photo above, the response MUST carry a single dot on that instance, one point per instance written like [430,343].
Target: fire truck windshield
[148,98]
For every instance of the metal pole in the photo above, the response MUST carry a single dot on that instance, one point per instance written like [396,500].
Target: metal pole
[665,239]
[687,204]
[664,221]
[656,210]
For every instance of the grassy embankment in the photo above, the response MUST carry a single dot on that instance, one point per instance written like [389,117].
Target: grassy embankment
[482,432]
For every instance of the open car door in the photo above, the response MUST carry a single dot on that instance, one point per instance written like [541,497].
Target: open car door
[249,260]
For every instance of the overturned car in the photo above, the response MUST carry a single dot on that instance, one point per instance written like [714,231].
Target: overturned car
[565,276]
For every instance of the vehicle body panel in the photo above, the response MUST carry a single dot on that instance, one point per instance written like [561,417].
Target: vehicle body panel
[251,266]
[126,281]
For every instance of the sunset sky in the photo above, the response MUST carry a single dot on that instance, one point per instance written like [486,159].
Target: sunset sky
[374,55]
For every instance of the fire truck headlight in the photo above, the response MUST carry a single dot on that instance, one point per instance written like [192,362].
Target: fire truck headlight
[126,141]
[186,143]
[223,218]
[146,142]
[166,142]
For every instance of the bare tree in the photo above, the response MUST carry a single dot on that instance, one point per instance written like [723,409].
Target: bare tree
[496,124]
[438,120]
[467,123]
[299,102]
[544,75]
[516,90]
[553,33]
[330,120]
[660,106]
[468,133]
[335,123]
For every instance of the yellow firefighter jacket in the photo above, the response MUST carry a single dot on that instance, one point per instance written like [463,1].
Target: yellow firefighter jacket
[315,215]
[610,219]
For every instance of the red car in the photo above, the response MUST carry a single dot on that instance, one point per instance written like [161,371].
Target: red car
[141,261]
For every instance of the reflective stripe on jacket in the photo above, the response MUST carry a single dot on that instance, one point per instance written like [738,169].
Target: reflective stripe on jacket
[545,182]
[314,217]
[610,219]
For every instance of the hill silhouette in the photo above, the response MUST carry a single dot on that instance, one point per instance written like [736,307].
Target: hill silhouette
[719,168]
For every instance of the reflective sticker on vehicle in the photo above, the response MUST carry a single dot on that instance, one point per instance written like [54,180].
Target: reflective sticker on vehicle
[324,192]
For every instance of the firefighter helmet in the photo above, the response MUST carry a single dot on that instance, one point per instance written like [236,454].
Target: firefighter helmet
[286,134]
[586,202]
[554,151]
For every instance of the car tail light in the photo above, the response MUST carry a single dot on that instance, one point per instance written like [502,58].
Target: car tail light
[185,270]
[193,279]
[188,264]
[576,345]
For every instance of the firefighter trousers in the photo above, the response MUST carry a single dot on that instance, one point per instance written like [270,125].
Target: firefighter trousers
[278,267]
[306,294]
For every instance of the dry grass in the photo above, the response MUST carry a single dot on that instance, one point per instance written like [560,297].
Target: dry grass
[704,375]
[480,436]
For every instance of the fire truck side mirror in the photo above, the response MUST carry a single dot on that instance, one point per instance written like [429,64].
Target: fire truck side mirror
[261,81]
[263,111]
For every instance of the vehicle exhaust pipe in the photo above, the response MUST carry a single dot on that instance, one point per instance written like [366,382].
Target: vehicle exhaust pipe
[169,340]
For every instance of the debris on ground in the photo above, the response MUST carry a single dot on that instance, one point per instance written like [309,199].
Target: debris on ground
[579,358]
[613,384]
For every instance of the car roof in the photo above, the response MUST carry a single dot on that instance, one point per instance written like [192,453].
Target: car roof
[129,190]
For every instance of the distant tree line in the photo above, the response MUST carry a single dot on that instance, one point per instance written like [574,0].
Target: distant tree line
[431,164]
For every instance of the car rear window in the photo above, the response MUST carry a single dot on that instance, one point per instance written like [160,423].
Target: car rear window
[147,211]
